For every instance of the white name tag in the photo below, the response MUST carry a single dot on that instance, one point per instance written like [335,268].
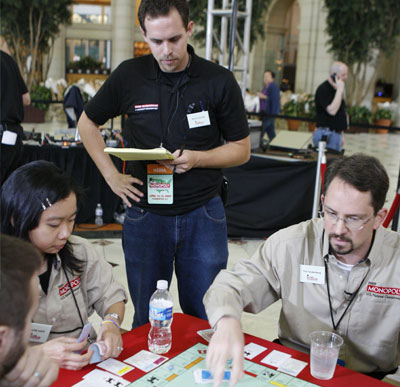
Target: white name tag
[9,138]
[39,332]
[312,274]
[196,120]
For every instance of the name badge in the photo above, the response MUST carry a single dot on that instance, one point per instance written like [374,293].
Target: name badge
[9,138]
[160,184]
[312,274]
[39,332]
[196,120]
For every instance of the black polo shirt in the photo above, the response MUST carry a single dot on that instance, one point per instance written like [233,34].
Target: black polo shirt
[324,97]
[157,105]
[12,87]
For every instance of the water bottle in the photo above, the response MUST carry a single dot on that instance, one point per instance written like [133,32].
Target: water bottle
[160,316]
[98,215]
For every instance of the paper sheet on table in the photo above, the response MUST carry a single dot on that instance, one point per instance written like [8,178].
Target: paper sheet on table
[130,154]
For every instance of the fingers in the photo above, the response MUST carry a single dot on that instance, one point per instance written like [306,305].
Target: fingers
[74,361]
[122,185]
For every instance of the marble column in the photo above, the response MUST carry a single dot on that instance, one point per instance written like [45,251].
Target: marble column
[123,21]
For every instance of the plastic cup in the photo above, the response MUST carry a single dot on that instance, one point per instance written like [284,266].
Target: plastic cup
[324,353]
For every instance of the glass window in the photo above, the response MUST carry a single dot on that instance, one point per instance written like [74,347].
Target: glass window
[95,14]
[99,50]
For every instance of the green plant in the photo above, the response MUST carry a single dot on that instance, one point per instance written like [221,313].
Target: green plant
[291,108]
[30,27]
[40,93]
[306,106]
[359,114]
[382,114]
[360,33]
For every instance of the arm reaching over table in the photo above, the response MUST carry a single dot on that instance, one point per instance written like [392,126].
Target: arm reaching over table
[226,343]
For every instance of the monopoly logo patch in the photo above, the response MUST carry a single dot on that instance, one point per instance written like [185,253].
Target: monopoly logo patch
[147,106]
[383,291]
[63,290]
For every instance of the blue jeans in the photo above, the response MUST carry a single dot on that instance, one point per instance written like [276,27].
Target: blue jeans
[196,243]
[333,139]
[268,126]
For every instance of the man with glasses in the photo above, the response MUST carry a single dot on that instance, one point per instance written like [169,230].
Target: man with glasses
[339,273]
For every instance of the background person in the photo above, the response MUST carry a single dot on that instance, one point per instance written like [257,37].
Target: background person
[269,104]
[39,204]
[159,93]
[20,366]
[13,95]
[332,118]
[357,261]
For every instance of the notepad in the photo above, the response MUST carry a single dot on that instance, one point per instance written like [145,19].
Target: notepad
[130,154]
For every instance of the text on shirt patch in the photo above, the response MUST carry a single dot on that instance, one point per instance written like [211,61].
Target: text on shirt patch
[65,288]
[147,106]
[383,291]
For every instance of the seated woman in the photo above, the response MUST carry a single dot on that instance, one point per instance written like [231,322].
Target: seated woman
[39,204]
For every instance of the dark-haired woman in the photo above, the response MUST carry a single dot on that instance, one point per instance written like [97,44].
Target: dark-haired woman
[39,204]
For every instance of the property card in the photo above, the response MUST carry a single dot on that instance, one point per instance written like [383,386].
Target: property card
[145,360]
[115,366]
[252,350]
[98,378]
[292,366]
[206,334]
[275,358]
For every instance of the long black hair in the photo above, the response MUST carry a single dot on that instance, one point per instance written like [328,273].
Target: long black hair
[27,192]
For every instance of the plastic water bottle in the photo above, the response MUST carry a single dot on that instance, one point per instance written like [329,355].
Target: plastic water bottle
[160,316]
[98,215]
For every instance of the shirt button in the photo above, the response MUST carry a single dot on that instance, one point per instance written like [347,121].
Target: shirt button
[54,319]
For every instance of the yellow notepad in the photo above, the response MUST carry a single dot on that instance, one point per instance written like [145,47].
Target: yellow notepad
[140,154]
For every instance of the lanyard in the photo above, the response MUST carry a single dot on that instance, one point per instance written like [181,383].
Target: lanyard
[353,296]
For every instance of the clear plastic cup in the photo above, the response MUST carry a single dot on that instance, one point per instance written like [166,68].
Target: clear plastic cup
[325,348]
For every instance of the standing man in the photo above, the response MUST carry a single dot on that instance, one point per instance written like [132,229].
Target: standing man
[19,299]
[269,104]
[177,100]
[331,108]
[340,273]
[14,95]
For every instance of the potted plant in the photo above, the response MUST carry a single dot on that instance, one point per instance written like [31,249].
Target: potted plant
[359,115]
[37,110]
[291,108]
[382,117]
[306,109]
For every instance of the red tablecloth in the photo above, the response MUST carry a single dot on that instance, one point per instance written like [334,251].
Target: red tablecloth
[184,335]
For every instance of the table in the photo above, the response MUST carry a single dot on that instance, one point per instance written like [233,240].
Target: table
[184,328]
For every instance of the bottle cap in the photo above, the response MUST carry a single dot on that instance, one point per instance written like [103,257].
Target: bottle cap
[162,284]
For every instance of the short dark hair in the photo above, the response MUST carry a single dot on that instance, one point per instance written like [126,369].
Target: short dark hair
[19,261]
[26,194]
[270,71]
[155,8]
[365,173]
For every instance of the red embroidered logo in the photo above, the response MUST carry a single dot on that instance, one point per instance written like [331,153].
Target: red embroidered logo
[383,290]
[65,289]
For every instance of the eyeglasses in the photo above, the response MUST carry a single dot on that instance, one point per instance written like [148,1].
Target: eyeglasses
[353,223]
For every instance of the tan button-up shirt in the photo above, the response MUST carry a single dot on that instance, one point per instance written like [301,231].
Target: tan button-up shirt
[94,289]
[371,325]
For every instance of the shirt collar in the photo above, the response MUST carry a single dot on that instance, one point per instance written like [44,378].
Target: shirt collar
[374,252]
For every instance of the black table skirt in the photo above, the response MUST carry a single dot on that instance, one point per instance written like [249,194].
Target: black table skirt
[267,195]
[264,195]
[77,162]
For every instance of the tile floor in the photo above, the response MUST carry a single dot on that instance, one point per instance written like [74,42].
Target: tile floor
[386,147]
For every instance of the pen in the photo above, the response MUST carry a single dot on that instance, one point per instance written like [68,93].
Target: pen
[180,154]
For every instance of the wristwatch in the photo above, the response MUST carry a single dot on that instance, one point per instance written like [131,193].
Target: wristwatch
[115,316]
